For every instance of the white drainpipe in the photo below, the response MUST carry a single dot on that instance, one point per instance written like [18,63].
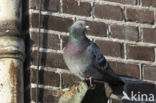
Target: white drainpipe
[12,49]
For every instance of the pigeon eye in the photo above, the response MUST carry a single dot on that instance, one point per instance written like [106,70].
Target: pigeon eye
[81,24]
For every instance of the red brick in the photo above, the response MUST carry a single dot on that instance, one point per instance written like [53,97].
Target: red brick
[130,70]
[148,3]
[109,48]
[51,22]
[45,95]
[45,40]
[45,77]
[140,53]
[72,7]
[124,32]
[97,28]
[49,59]
[133,2]
[149,72]
[149,35]
[49,5]
[141,16]
[108,12]
[68,80]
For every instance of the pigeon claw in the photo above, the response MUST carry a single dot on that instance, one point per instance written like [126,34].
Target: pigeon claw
[90,79]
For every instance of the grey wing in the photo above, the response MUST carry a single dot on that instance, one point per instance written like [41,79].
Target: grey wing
[99,62]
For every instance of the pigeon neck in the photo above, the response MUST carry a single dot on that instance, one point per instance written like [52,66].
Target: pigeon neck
[76,35]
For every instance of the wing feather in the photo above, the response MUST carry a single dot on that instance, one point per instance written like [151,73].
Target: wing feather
[99,62]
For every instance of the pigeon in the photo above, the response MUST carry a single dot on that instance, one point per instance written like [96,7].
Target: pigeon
[84,58]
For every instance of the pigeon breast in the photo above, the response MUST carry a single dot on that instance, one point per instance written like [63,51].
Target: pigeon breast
[80,63]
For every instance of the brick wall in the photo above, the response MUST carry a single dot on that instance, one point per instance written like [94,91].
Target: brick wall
[123,29]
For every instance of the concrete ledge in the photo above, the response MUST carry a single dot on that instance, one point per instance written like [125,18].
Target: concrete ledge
[134,91]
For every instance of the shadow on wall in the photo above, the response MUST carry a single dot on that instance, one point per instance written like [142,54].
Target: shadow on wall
[43,55]
[29,43]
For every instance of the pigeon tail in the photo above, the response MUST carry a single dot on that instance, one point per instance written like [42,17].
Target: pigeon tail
[113,79]
[115,82]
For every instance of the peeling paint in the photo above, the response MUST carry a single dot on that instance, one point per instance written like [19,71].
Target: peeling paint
[14,76]
[12,49]
[11,88]
[75,95]
[10,26]
[11,43]
[11,13]
[19,6]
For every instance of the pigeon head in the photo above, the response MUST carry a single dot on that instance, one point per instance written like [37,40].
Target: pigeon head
[77,30]
[80,26]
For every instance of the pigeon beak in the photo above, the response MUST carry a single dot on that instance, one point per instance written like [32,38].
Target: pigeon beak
[87,27]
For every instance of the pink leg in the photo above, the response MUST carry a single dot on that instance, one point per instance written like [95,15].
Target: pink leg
[90,81]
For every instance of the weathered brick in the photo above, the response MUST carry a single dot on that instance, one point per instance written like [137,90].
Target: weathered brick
[149,72]
[68,80]
[148,3]
[64,41]
[109,48]
[45,95]
[97,28]
[45,40]
[51,22]
[62,24]
[49,59]
[140,53]
[149,35]
[72,7]
[108,12]
[124,69]
[133,2]
[141,16]
[124,32]
[45,77]
[49,5]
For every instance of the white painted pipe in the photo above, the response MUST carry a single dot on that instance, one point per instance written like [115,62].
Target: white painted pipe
[10,10]
[12,49]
